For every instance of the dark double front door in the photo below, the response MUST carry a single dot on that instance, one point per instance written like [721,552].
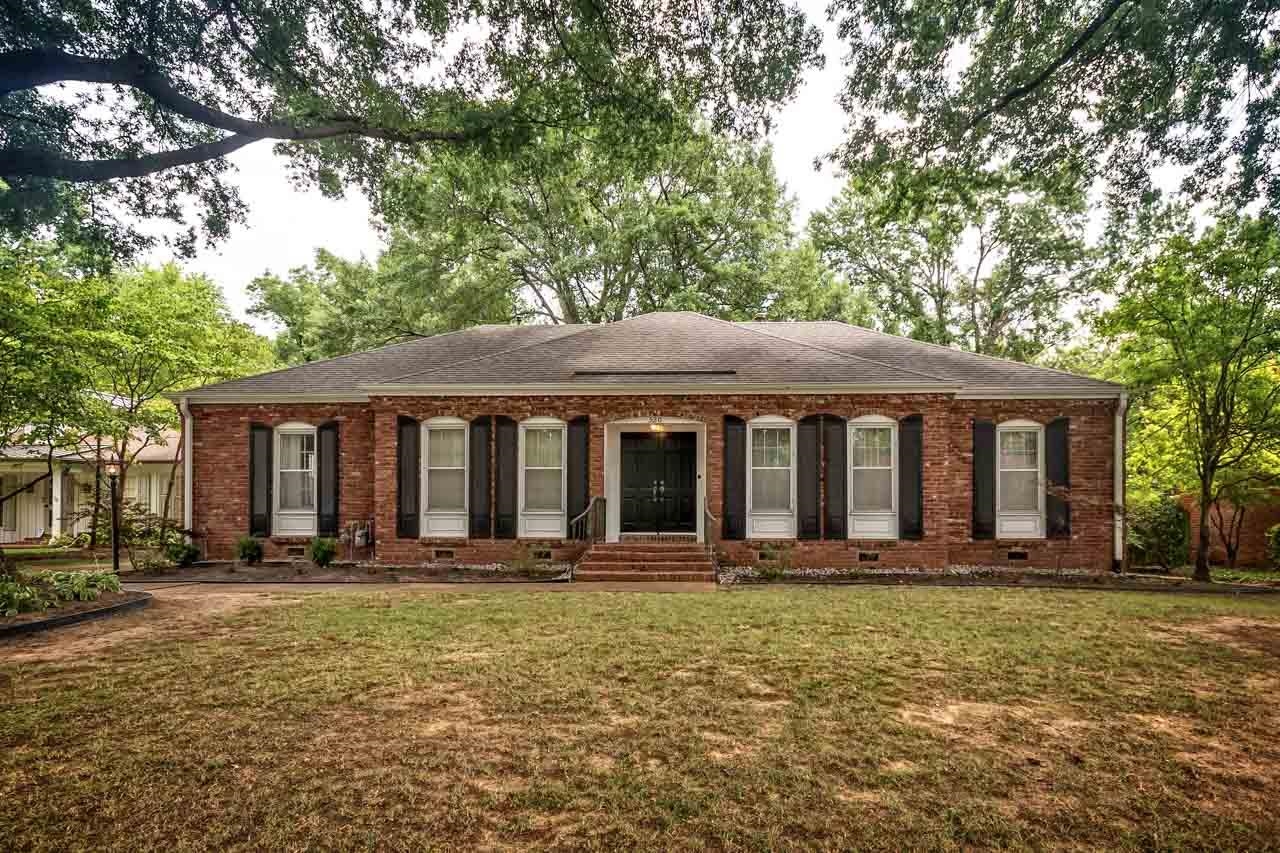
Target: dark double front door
[659,482]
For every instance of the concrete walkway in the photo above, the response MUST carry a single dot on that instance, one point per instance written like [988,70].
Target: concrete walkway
[188,588]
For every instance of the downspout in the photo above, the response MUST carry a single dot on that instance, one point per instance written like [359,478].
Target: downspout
[187,491]
[1118,500]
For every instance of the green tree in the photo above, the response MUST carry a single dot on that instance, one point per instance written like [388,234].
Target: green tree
[1108,87]
[51,313]
[584,232]
[569,233]
[976,262]
[336,306]
[1198,323]
[168,332]
[163,91]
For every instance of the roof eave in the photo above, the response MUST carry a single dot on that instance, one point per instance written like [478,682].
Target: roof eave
[1108,391]
[207,397]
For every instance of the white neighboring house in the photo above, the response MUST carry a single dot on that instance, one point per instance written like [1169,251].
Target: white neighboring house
[49,507]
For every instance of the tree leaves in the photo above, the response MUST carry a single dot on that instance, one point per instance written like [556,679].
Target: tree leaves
[1108,88]
[977,261]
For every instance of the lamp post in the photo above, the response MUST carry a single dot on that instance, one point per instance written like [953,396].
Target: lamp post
[113,474]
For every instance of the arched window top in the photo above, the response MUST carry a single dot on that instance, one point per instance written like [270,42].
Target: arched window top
[770,420]
[444,422]
[296,426]
[1019,423]
[542,421]
[866,420]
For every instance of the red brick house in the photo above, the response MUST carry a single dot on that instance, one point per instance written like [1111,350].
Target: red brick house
[834,444]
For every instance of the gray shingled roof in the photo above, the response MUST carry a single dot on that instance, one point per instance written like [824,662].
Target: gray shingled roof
[662,348]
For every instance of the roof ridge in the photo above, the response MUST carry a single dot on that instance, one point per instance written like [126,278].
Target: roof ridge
[746,328]
[970,352]
[583,329]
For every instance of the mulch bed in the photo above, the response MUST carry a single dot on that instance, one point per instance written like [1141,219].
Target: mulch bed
[70,612]
[286,572]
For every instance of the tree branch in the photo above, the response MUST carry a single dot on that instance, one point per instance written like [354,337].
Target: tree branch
[1063,58]
[26,69]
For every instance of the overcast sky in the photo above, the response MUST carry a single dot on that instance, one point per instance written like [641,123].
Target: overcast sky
[285,225]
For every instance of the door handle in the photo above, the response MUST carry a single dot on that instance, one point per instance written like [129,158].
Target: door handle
[653,495]
[662,488]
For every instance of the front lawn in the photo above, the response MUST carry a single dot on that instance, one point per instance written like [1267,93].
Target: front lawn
[836,718]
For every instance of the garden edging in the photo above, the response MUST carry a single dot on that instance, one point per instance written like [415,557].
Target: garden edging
[60,620]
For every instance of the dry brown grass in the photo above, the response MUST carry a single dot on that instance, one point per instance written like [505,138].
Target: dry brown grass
[778,718]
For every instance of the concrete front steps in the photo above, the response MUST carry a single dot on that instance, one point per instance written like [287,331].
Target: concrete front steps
[646,561]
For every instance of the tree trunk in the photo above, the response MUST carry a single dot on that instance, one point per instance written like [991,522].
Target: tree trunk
[1202,547]
[1232,540]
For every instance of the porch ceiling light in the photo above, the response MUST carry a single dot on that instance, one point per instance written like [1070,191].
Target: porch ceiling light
[657,428]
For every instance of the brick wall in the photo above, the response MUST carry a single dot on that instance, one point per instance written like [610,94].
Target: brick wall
[1253,535]
[369,460]
[1092,441]
[220,467]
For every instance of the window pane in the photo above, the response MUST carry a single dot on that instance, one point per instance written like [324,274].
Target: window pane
[542,447]
[872,447]
[296,490]
[771,447]
[445,448]
[1019,491]
[446,489]
[542,489]
[771,489]
[296,452]
[873,490]
[1018,450]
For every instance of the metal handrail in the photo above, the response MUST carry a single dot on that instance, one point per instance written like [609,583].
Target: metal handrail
[711,529]
[586,525]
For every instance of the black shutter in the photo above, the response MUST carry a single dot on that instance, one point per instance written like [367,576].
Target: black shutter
[1057,465]
[260,476]
[408,477]
[911,477]
[984,479]
[480,520]
[577,473]
[734,522]
[506,477]
[809,476]
[327,467]
[835,443]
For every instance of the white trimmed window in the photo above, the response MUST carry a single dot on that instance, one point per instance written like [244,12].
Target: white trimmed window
[542,478]
[771,478]
[873,480]
[446,460]
[1020,480]
[295,486]
[444,477]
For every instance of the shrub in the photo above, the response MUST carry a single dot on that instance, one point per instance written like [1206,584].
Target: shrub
[323,551]
[1273,545]
[69,540]
[17,596]
[249,549]
[1159,533]
[181,553]
[78,586]
[42,590]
